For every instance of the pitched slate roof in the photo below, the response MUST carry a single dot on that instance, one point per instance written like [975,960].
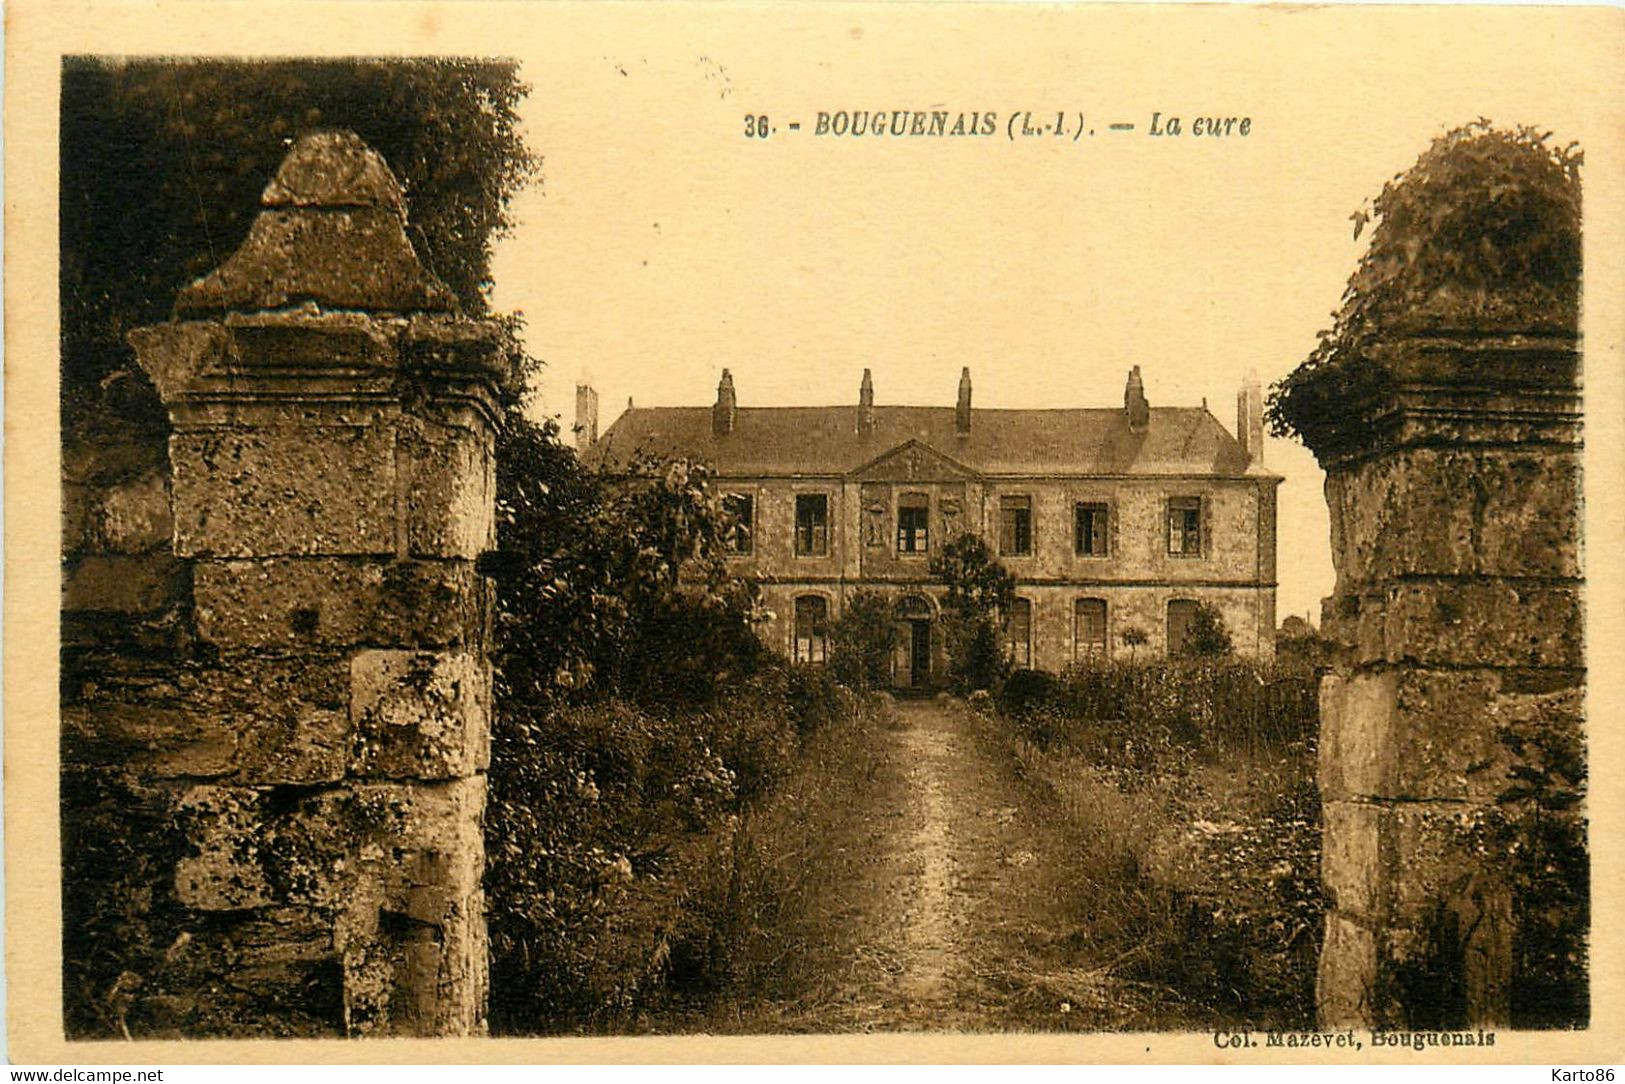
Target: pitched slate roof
[825,440]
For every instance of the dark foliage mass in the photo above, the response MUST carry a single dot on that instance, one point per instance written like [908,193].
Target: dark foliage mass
[162,164]
[862,639]
[1209,637]
[1482,232]
[979,592]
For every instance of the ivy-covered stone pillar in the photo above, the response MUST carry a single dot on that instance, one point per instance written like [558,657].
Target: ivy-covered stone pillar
[1453,478]
[332,486]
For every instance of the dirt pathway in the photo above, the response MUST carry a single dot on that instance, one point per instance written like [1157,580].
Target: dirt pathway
[943,903]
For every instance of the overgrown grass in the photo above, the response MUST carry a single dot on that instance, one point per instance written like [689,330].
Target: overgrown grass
[625,878]
[1190,793]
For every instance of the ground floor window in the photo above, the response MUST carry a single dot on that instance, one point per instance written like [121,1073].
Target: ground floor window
[1018,633]
[1089,629]
[812,630]
[1181,613]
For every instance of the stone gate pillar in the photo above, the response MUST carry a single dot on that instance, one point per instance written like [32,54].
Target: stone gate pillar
[332,485]
[1454,490]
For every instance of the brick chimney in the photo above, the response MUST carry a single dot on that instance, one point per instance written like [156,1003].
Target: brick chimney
[1135,404]
[866,405]
[722,414]
[962,411]
[1250,417]
[586,416]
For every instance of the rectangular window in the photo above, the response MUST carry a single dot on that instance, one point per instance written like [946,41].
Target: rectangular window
[1015,526]
[741,510]
[1089,526]
[913,515]
[1089,629]
[1018,633]
[812,525]
[1181,612]
[1185,526]
[812,630]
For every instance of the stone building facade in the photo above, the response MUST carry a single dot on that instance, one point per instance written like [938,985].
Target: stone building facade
[1111,519]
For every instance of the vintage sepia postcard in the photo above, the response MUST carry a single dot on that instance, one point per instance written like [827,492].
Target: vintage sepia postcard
[825,532]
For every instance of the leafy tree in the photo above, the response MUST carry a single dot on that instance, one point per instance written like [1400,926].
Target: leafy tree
[862,639]
[979,593]
[1483,231]
[977,584]
[163,161]
[1207,638]
[613,585]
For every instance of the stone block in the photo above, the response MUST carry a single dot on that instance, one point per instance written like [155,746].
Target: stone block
[123,584]
[1346,980]
[1444,741]
[1489,623]
[287,489]
[135,516]
[289,715]
[450,478]
[1356,720]
[289,342]
[294,604]
[423,835]
[1351,860]
[418,714]
[225,829]
[1486,512]
[175,354]
[161,740]
[1438,849]
[1414,734]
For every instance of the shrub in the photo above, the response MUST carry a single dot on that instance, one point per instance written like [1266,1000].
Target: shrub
[610,878]
[1025,690]
[861,641]
[1208,637]
[976,658]
[1127,715]
[979,592]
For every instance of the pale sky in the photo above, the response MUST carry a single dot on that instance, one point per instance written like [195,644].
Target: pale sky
[663,244]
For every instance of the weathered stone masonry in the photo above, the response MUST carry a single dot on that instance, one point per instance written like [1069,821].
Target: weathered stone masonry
[1455,514]
[307,715]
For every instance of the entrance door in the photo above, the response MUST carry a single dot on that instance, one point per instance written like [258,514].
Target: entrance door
[902,660]
[919,653]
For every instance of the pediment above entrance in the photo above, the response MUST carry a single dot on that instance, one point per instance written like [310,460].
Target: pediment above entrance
[913,461]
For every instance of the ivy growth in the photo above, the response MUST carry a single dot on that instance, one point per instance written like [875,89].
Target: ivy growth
[1482,232]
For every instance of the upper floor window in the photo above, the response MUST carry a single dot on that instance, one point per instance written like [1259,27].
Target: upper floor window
[1089,530]
[913,515]
[1185,526]
[1181,614]
[741,510]
[1015,526]
[812,630]
[1088,629]
[812,524]
[1018,633]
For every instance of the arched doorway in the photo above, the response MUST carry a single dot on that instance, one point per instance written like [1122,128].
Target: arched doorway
[911,658]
